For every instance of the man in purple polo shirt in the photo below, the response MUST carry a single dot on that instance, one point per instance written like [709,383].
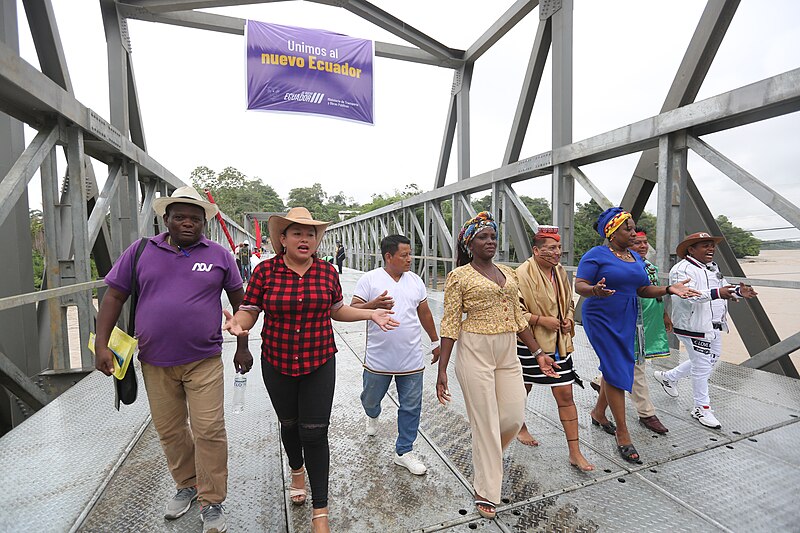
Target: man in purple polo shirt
[181,275]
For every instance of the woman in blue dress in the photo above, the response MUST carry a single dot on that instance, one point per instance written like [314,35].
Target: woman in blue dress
[611,277]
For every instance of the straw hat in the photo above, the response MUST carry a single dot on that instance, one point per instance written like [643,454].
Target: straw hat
[185,195]
[277,224]
[694,238]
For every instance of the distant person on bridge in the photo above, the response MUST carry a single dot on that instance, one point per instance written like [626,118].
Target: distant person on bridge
[545,294]
[243,252]
[699,321]
[396,354]
[655,323]
[299,294]
[181,275]
[340,256]
[487,366]
[610,316]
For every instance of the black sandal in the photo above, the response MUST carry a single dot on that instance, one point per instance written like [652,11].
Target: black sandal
[609,427]
[627,451]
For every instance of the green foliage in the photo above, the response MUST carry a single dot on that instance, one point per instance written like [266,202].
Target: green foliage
[482,204]
[649,222]
[37,239]
[38,269]
[381,200]
[235,193]
[322,206]
[585,235]
[539,208]
[741,241]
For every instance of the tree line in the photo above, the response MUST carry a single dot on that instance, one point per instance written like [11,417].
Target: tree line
[237,194]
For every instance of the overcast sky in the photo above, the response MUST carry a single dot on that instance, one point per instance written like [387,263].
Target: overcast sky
[192,96]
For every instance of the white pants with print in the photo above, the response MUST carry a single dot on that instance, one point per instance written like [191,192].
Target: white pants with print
[703,353]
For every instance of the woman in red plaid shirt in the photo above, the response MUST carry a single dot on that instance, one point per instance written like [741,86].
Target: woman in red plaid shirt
[299,294]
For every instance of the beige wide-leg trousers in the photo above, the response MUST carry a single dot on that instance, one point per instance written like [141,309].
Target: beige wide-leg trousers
[490,375]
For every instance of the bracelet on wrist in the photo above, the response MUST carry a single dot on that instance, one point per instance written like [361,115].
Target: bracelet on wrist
[667,290]
[537,353]
[436,344]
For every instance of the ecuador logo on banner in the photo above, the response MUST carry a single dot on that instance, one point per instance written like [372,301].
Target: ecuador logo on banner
[308,71]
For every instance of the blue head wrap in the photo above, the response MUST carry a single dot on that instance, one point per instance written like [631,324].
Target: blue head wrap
[611,219]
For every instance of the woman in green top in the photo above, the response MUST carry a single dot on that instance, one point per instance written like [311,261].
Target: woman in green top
[655,320]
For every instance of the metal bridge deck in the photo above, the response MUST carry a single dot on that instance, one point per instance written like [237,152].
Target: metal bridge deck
[78,465]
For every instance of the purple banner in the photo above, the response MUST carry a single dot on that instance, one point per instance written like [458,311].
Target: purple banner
[299,70]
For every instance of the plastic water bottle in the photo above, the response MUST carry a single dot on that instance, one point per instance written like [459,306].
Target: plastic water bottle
[239,388]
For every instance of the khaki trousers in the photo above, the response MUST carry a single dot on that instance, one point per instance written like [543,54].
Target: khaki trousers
[640,392]
[490,375]
[186,403]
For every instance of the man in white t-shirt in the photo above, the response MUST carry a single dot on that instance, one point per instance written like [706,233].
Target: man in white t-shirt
[396,354]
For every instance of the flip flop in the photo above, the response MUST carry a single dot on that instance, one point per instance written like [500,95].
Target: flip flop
[609,427]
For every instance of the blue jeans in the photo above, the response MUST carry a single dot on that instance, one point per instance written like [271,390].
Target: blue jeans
[409,393]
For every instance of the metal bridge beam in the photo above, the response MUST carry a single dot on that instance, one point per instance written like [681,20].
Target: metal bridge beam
[18,332]
[780,205]
[773,357]
[502,26]
[530,88]
[563,189]
[705,42]
[20,385]
[235,26]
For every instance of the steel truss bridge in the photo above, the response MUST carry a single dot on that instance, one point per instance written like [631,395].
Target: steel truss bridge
[83,222]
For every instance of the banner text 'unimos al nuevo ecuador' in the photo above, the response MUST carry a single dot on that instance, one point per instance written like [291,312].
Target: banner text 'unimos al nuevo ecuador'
[300,70]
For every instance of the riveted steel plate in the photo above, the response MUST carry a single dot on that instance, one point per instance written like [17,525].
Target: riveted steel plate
[759,384]
[742,490]
[255,500]
[53,464]
[533,471]
[778,444]
[368,492]
[620,504]
[737,414]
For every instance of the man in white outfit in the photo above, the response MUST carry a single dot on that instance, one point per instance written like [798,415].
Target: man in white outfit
[396,354]
[699,321]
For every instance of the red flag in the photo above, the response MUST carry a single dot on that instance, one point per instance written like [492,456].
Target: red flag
[258,237]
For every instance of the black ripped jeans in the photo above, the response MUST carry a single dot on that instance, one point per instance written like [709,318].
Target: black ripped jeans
[303,405]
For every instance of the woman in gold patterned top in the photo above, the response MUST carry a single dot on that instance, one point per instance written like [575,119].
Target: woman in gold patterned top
[488,368]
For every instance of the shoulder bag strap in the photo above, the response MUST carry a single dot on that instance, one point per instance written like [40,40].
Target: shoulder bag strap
[134,296]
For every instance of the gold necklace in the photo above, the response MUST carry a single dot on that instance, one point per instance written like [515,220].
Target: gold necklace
[621,255]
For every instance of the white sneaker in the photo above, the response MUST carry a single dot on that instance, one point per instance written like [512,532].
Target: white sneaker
[670,387]
[372,426]
[705,416]
[409,461]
